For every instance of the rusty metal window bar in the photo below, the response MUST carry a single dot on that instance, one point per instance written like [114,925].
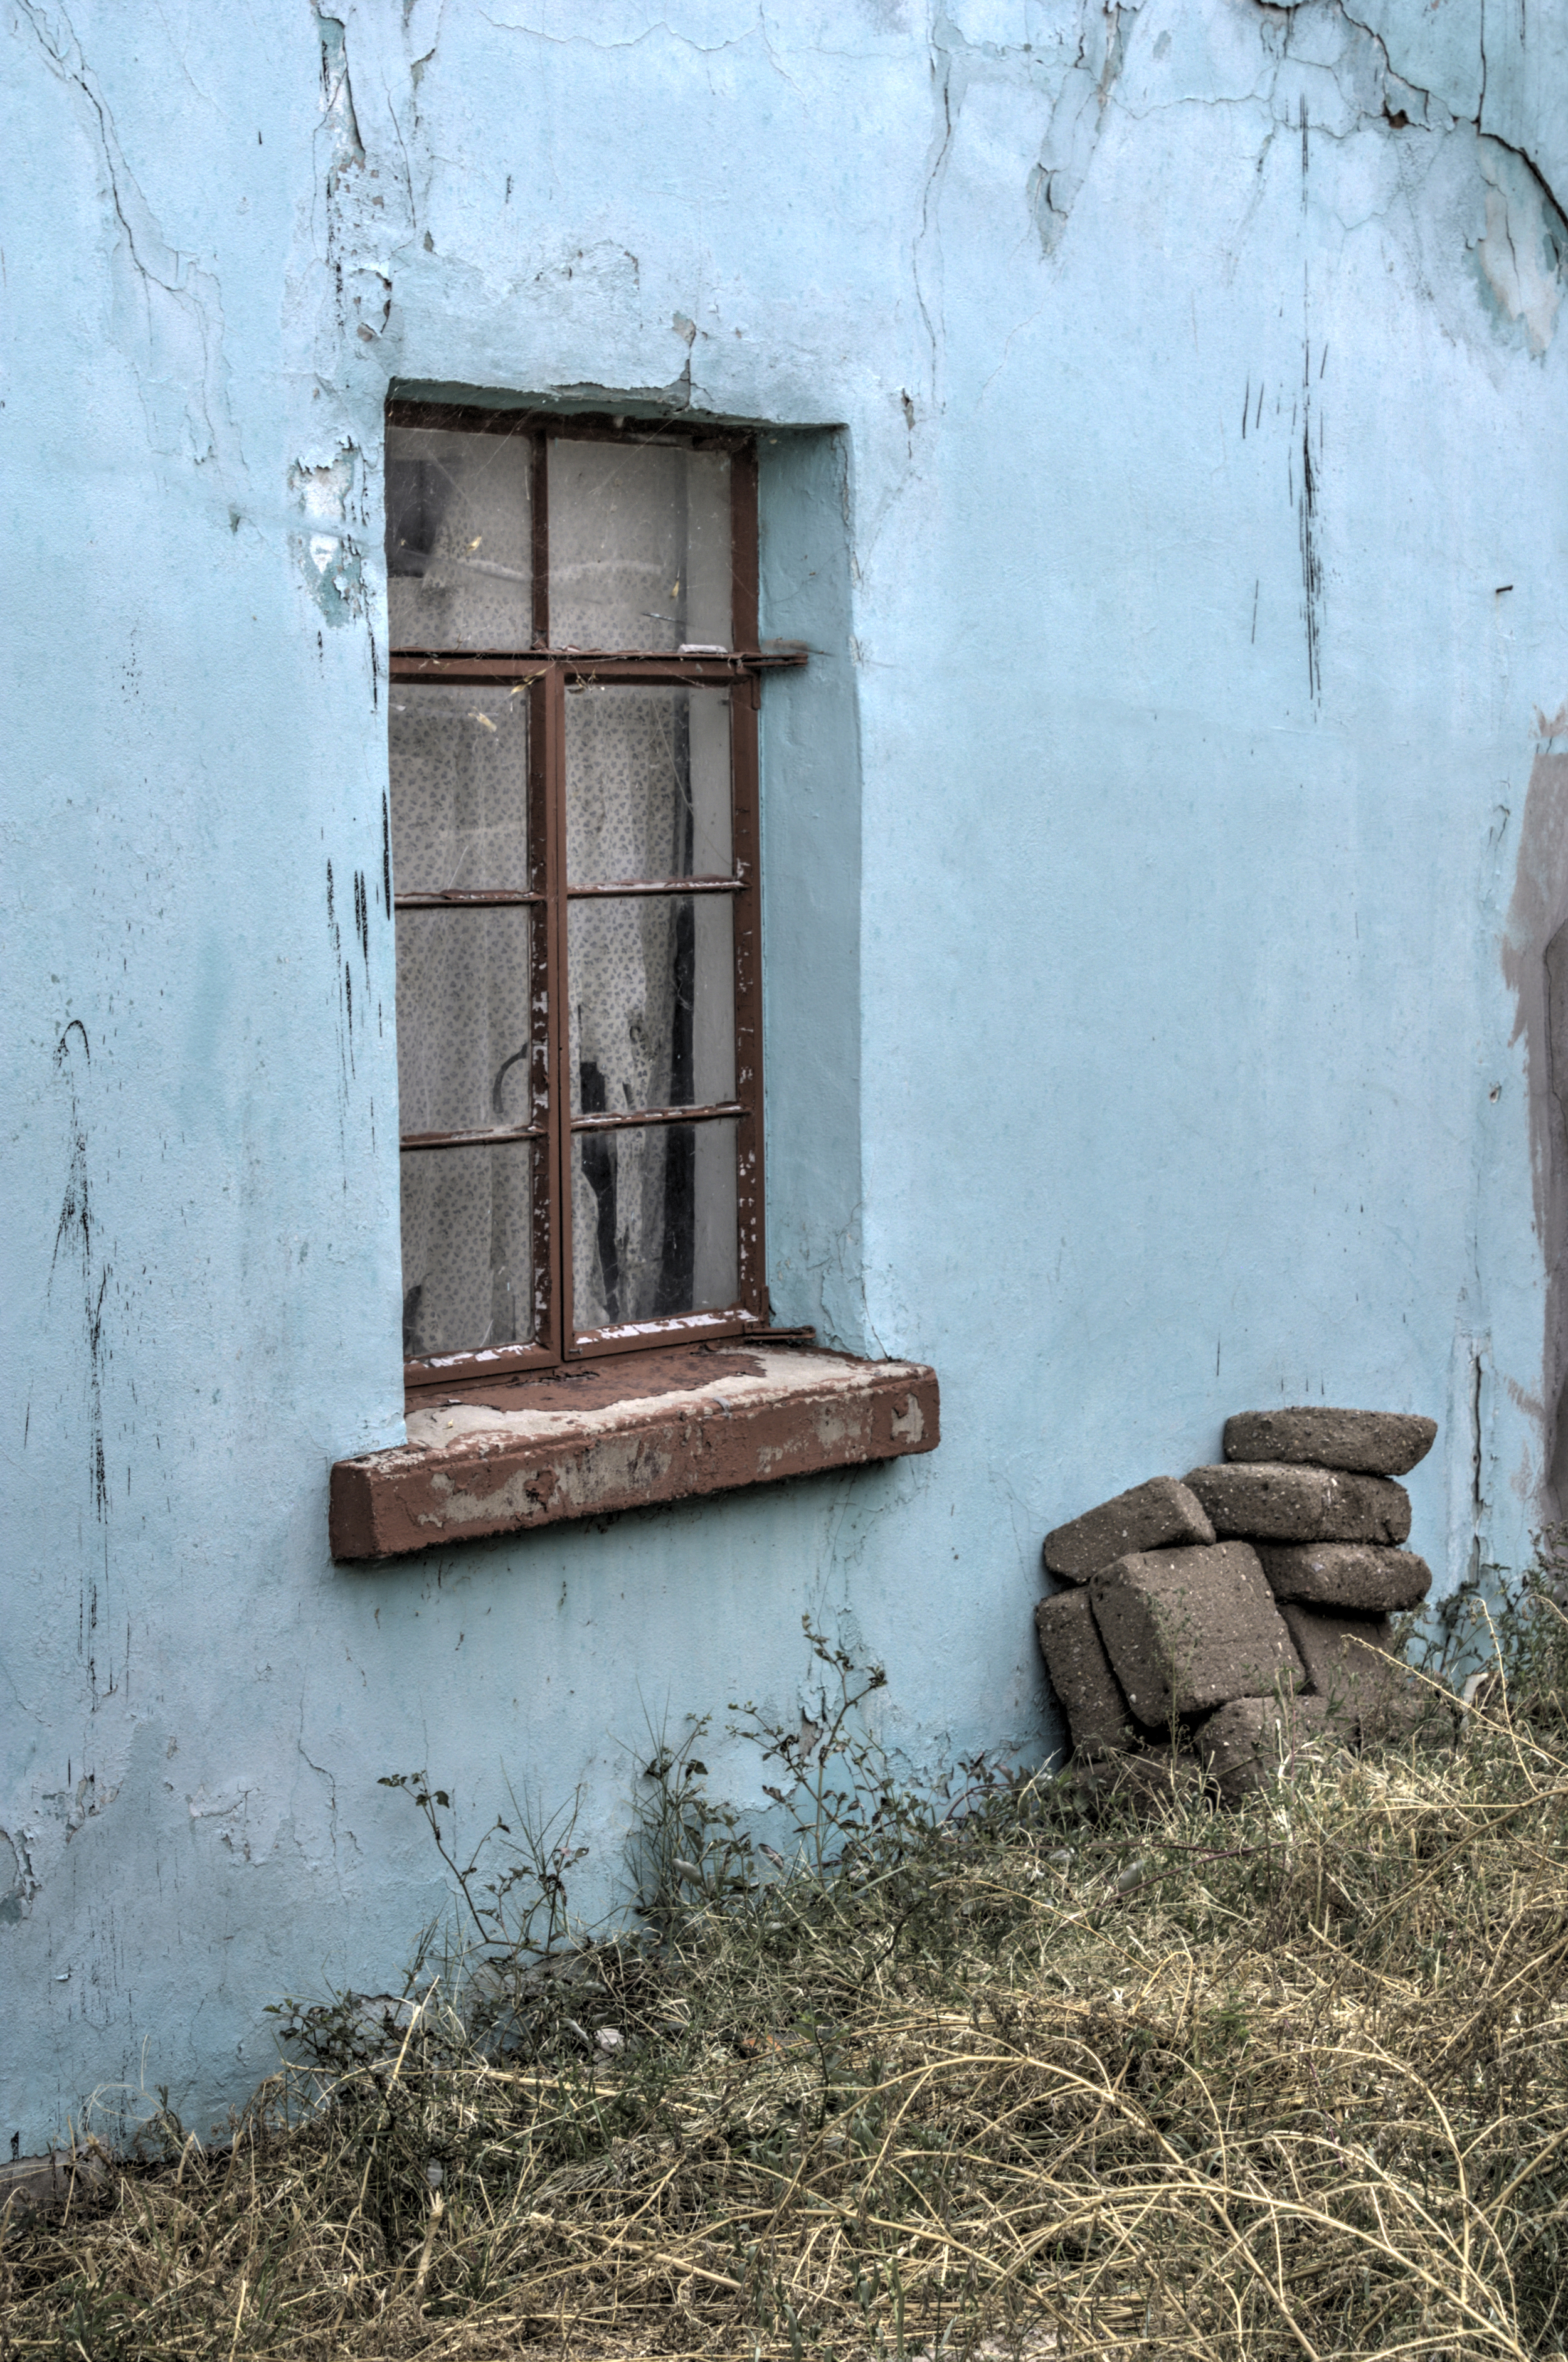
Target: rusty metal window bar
[575,681]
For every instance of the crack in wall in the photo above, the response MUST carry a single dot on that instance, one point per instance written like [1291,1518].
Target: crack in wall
[1518,257]
[358,265]
[933,175]
[1523,252]
[169,321]
[1077,120]
[1520,252]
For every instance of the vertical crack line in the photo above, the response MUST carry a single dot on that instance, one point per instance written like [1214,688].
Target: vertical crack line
[932,178]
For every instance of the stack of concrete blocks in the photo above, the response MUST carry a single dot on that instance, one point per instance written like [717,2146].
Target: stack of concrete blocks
[1227,1618]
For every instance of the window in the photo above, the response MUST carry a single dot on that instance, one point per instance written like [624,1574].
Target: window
[575,686]
[571,849]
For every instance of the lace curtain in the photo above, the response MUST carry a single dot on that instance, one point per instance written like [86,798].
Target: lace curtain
[639,558]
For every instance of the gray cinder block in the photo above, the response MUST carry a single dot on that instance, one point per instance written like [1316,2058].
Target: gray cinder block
[1150,1517]
[1375,1442]
[1367,1689]
[1276,1501]
[1251,1742]
[1360,1578]
[1086,1689]
[1189,1628]
[1336,1651]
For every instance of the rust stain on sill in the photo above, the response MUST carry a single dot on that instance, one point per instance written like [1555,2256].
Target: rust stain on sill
[469,1469]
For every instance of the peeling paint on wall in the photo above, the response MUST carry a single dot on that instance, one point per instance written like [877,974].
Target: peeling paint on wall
[18,1887]
[332,495]
[1077,117]
[81,1802]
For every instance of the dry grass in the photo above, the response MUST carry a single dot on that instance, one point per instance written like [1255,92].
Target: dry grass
[1291,2081]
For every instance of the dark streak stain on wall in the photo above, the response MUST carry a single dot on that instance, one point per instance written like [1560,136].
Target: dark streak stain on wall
[73,1238]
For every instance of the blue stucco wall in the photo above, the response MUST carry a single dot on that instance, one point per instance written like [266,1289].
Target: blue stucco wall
[1164,847]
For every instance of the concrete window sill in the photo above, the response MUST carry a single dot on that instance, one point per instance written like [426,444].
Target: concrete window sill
[623,1435]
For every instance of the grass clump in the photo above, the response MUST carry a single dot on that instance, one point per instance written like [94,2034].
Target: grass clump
[973,2075]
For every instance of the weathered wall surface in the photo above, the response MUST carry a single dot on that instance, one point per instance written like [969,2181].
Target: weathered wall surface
[1165,850]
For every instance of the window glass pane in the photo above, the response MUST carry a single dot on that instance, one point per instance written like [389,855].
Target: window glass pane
[459,788]
[647,784]
[460,539]
[639,545]
[654,1223]
[462,1019]
[650,1002]
[467,1244]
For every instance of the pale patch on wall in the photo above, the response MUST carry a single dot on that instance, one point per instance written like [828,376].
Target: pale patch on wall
[328,557]
[18,1884]
[1520,254]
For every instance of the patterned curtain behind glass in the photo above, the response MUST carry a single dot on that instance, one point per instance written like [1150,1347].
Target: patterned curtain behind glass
[639,544]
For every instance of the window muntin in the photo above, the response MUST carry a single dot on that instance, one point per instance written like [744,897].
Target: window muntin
[577,1044]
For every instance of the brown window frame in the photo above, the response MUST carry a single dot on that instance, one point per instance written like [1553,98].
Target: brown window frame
[548,674]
